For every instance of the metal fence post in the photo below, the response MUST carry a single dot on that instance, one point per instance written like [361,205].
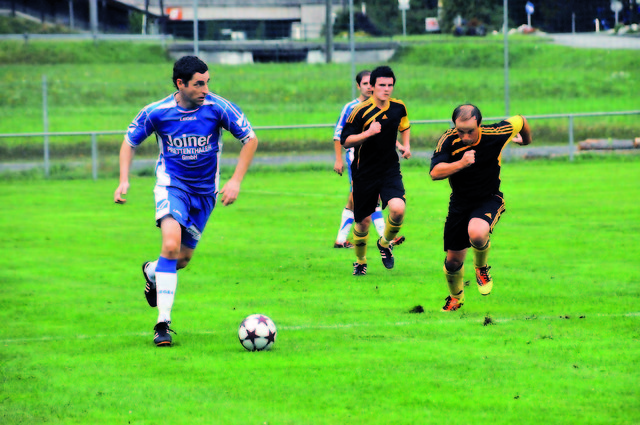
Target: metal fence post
[45,125]
[94,155]
[571,138]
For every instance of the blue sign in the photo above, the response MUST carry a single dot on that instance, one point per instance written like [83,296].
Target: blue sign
[529,8]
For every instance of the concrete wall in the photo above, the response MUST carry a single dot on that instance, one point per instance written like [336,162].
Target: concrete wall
[308,18]
[236,53]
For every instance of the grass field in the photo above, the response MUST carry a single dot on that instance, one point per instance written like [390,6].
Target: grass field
[557,342]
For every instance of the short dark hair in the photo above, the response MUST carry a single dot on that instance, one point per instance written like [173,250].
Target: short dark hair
[185,67]
[382,71]
[361,75]
[466,111]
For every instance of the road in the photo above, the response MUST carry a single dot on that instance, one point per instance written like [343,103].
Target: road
[597,40]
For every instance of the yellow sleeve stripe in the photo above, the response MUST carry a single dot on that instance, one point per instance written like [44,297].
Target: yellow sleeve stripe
[443,138]
[517,122]
[358,107]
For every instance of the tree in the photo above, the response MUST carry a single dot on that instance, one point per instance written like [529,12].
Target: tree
[488,13]
[383,17]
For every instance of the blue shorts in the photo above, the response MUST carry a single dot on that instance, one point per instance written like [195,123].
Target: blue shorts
[191,211]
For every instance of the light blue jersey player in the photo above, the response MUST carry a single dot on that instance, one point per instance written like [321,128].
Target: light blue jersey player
[346,221]
[188,126]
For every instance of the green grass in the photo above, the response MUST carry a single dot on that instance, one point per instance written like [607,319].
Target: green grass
[102,86]
[75,345]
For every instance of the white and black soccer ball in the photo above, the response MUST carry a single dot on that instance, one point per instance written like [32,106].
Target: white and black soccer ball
[257,333]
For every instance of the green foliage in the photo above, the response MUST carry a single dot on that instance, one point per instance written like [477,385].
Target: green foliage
[475,13]
[76,347]
[80,52]
[9,25]
[384,18]
[135,22]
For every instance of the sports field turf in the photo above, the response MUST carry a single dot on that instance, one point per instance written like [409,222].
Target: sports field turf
[557,342]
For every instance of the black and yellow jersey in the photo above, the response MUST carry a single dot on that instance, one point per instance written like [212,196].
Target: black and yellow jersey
[378,153]
[482,178]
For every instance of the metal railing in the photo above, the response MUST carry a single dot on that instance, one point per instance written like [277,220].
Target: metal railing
[94,134]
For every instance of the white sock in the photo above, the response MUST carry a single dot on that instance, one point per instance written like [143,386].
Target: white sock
[166,284]
[378,220]
[345,225]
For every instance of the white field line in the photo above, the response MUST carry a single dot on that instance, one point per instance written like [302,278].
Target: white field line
[448,319]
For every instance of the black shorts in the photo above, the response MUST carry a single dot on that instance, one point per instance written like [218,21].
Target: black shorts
[456,228]
[366,192]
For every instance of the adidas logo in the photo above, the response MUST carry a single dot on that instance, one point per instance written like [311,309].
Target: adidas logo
[488,215]
[384,117]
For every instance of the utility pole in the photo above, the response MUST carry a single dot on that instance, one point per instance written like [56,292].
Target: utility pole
[93,14]
[329,29]
[196,49]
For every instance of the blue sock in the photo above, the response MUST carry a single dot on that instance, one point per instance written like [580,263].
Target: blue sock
[377,214]
[166,266]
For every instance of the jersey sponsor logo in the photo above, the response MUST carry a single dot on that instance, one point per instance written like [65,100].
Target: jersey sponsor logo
[188,141]
[189,146]
[188,118]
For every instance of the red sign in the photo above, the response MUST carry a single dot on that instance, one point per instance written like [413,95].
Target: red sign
[174,13]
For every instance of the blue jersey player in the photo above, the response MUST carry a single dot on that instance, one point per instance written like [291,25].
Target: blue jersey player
[346,221]
[188,126]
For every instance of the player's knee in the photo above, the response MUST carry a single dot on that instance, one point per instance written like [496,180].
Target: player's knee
[452,265]
[170,249]
[479,232]
[396,211]
[479,240]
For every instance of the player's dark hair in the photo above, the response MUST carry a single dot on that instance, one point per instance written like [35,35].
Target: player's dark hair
[381,71]
[466,112]
[185,67]
[361,75]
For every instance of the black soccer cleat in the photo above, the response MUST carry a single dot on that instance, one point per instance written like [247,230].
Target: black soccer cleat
[359,269]
[161,338]
[386,254]
[150,292]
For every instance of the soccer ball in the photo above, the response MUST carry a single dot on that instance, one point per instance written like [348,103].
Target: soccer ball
[257,333]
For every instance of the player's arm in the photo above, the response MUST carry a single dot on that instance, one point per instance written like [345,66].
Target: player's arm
[524,137]
[406,146]
[126,156]
[442,170]
[338,166]
[231,189]
[354,140]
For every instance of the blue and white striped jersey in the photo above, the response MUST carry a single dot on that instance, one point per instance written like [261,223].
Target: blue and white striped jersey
[189,141]
[346,111]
